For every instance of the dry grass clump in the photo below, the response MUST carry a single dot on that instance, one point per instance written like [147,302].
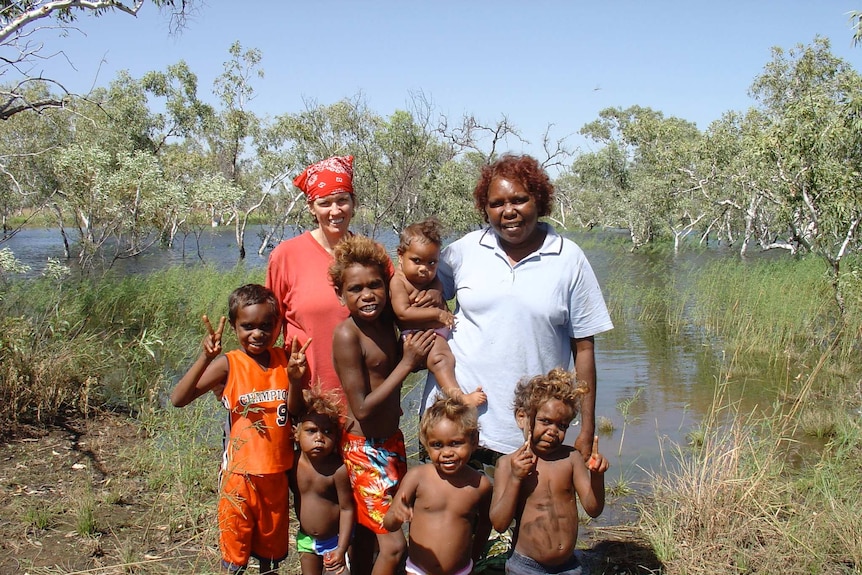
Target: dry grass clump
[40,375]
[735,504]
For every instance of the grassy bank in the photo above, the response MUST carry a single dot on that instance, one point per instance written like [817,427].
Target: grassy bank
[67,347]
[751,493]
[774,493]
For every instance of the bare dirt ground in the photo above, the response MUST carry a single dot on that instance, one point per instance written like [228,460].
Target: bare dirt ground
[72,502]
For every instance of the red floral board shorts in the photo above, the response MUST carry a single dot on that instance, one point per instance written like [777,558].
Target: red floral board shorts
[375,467]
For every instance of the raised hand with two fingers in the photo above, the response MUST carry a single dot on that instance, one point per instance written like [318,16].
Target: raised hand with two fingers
[297,363]
[212,341]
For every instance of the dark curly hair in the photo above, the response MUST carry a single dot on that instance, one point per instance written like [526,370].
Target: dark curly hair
[427,231]
[525,170]
[532,393]
[359,250]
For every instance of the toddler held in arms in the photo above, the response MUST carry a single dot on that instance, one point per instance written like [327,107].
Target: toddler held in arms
[418,256]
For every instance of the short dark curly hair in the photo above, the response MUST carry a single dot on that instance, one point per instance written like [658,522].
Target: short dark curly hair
[429,230]
[525,170]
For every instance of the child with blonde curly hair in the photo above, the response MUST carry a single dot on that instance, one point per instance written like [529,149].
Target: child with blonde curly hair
[445,501]
[540,484]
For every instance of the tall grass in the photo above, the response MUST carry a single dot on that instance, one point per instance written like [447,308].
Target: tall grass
[747,497]
[735,503]
[767,307]
[71,346]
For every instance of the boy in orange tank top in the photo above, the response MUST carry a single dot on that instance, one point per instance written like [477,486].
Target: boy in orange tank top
[259,386]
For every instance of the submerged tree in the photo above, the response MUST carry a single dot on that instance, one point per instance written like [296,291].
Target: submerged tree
[812,104]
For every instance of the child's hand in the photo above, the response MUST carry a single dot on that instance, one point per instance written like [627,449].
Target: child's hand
[447,318]
[297,364]
[333,561]
[523,461]
[417,346]
[401,509]
[597,462]
[475,398]
[212,341]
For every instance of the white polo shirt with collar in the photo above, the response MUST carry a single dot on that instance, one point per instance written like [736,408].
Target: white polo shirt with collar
[514,321]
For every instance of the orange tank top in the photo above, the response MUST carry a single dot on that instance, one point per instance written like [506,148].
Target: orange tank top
[258,435]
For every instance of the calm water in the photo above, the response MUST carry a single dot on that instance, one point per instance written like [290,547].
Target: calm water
[655,387]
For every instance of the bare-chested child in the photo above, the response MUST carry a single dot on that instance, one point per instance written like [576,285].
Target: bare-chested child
[536,485]
[322,497]
[445,501]
[371,365]
[418,255]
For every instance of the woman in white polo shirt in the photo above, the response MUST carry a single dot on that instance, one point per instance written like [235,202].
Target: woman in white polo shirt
[527,301]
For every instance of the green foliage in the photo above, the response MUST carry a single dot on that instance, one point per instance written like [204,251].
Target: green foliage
[92,342]
[9,264]
[647,166]
[767,306]
[39,516]
[85,514]
[810,101]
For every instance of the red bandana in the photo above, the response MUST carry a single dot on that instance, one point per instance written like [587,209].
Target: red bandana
[326,177]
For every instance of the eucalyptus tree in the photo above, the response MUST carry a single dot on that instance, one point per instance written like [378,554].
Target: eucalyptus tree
[403,175]
[811,101]
[589,190]
[739,179]
[179,119]
[27,142]
[449,194]
[650,163]
[22,47]
[479,138]
[109,176]
[346,127]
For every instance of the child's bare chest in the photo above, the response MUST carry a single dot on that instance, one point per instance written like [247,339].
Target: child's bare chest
[380,353]
[311,482]
[445,499]
[554,483]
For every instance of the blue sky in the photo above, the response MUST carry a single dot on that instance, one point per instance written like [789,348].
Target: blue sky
[538,62]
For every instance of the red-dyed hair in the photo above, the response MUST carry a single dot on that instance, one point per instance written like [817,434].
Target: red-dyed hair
[525,170]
